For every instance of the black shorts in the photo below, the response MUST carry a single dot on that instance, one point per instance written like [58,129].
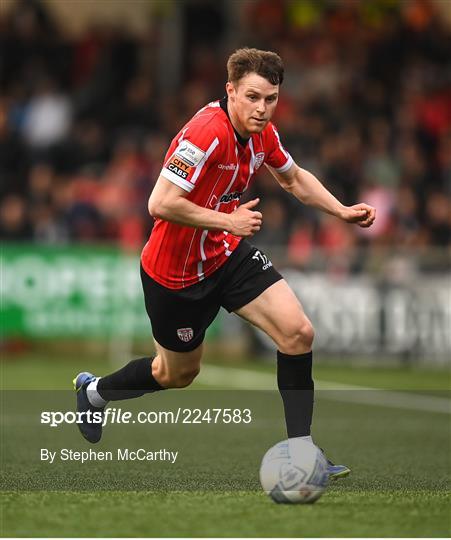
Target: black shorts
[180,317]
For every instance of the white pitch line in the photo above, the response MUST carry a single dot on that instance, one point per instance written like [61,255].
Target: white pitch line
[246,379]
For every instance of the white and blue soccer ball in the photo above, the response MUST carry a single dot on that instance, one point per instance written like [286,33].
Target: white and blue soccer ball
[294,472]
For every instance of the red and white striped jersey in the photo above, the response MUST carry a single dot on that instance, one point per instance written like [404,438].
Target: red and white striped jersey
[207,160]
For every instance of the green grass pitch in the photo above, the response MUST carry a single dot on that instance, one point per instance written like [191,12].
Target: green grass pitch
[400,459]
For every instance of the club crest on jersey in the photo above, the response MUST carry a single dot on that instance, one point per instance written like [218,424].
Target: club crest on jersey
[259,159]
[190,153]
[185,334]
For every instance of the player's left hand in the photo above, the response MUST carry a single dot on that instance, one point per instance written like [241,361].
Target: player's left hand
[362,214]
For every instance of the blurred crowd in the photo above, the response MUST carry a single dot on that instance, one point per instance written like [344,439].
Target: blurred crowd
[366,105]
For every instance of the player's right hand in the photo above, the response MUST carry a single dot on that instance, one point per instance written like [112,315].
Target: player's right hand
[244,221]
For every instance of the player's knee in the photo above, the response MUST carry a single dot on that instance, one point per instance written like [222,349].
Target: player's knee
[309,335]
[298,338]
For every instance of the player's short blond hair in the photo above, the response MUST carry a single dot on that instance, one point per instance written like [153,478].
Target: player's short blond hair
[267,64]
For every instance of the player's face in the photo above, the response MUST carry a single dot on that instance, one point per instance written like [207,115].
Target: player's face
[252,102]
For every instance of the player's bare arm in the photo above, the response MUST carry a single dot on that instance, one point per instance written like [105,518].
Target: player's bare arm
[303,185]
[168,202]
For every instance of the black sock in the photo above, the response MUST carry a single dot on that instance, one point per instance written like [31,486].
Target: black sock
[294,379]
[133,380]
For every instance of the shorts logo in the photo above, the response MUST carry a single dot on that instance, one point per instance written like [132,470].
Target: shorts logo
[261,257]
[185,334]
[259,159]
[179,167]
[190,153]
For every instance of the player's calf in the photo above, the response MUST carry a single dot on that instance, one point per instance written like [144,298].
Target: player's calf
[180,377]
[133,380]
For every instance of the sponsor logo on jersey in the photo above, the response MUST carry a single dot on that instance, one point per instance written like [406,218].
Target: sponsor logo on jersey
[259,159]
[179,167]
[229,197]
[190,153]
[229,167]
[185,334]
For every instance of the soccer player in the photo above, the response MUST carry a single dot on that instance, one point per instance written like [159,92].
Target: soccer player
[197,258]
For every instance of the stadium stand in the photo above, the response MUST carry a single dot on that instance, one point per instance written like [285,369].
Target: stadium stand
[366,105]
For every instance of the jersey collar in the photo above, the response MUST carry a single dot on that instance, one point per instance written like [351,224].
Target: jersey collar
[223,104]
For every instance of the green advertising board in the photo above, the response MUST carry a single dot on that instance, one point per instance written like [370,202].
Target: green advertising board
[72,291]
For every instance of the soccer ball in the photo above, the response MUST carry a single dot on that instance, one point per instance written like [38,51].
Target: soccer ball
[294,472]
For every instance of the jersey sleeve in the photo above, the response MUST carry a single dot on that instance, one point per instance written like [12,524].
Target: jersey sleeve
[188,156]
[277,157]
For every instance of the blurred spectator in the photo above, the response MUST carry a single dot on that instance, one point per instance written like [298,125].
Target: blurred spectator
[406,223]
[273,231]
[444,162]
[14,222]
[438,220]
[336,241]
[380,165]
[13,162]
[46,229]
[40,183]
[86,145]
[383,199]
[334,235]
[301,244]
[48,116]
[138,111]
